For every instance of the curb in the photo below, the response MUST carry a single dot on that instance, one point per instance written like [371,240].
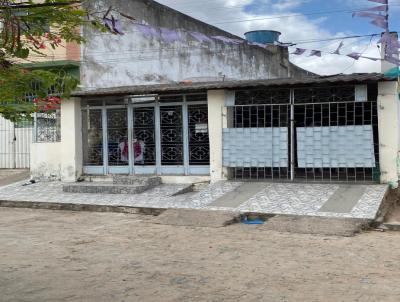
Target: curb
[80,207]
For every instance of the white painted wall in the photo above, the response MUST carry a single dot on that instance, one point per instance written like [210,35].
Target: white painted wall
[62,160]
[46,161]
[389,131]
[71,139]
[217,117]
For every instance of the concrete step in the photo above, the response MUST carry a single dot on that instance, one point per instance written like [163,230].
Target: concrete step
[105,188]
[136,180]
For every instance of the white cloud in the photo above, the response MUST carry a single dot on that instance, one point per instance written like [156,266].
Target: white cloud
[294,28]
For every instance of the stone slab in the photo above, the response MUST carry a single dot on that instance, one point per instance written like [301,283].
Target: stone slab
[136,180]
[239,195]
[197,218]
[344,199]
[104,188]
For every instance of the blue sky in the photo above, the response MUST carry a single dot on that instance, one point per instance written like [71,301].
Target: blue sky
[333,22]
[239,16]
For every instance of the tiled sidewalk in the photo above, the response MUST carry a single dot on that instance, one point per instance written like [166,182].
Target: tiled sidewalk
[274,198]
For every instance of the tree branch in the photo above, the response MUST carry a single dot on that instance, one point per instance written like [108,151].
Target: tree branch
[19,6]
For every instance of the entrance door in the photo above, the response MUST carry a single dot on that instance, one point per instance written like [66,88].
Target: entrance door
[144,137]
[172,139]
[117,141]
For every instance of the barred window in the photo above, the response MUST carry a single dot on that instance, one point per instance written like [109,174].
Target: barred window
[48,127]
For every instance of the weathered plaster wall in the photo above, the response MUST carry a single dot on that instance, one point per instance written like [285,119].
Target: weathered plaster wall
[46,161]
[389,131]
[62,160]
[113,60]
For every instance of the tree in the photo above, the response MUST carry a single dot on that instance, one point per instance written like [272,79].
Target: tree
[27,28]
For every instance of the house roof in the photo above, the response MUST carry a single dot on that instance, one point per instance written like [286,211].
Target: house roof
[355,78]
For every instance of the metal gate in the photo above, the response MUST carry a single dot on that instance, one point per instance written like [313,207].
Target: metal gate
[165,135]
[303,135]
[15,141]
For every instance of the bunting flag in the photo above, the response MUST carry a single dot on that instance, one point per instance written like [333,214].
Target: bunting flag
[380,1]
[393,60]
[380,20]
[354,55]
[200,37]
[380,8]
[170,35]
[381,23]
[299,51]
[316,53]
[337,51]
[228,40]
[148,31]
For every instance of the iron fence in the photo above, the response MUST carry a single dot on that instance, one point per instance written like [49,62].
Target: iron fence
[318,135]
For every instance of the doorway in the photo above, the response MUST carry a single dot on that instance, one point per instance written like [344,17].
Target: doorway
[150,138]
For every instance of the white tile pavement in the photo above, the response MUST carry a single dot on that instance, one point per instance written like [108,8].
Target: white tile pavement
[275,198]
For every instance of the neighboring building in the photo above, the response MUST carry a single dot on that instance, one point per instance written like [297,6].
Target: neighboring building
[16,139]
[234,111]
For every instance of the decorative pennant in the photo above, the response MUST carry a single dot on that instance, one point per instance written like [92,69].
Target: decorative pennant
[299,51]
[337,51]
[285,45]
[380,8]
[108,23]
[380,1]
[170,35]
[392,60]
[227,40]
[364,14]
[117,26]
[200,37]
[354,55]
[381,23]
[148,31]
[316,53]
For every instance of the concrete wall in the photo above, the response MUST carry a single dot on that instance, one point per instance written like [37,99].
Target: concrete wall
[62,160]
[46,161]
[114,60]
[389,132]
[217,116]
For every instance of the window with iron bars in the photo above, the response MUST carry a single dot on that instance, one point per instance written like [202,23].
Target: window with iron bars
[47,123]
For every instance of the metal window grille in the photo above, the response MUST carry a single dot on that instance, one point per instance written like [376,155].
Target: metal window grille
[48,127]
[313,134]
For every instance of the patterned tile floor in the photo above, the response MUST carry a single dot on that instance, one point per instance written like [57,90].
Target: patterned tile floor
[276,198]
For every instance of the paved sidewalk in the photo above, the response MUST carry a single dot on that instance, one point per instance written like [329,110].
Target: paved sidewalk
[9,176]
[266,198]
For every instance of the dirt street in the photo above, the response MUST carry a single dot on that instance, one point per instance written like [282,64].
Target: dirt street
[79,256]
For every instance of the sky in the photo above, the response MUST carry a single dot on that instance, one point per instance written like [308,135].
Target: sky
[300,21]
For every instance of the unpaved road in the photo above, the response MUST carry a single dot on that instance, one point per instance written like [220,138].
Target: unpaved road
[78,256]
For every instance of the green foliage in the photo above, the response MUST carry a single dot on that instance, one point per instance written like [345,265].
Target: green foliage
[18,86]
[28,30]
